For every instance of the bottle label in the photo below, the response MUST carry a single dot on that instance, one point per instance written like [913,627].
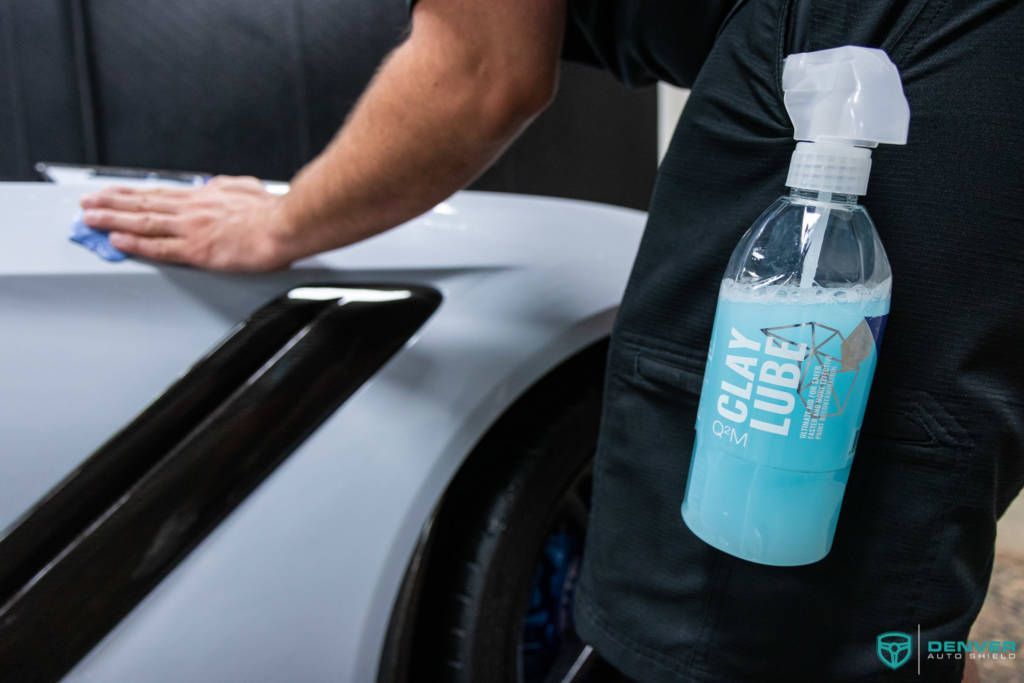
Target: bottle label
[787,379]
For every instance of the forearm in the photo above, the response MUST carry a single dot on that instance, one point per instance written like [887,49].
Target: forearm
[437,114]
[441,109]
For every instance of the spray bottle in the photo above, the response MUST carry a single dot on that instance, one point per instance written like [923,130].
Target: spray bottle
[800,317]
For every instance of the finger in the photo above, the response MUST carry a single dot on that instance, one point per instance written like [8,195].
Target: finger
[168,249]
[148,224]
[123,191]
[136,203]
[229,182]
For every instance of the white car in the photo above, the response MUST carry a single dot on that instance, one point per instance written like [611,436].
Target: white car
[373,466]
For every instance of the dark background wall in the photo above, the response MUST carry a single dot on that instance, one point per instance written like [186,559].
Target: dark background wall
[259,87]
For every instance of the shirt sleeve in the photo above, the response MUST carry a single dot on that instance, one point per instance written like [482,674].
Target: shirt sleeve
[644,41]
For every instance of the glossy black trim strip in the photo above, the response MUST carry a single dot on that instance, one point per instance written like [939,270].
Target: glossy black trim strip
[65,512]
[186,480]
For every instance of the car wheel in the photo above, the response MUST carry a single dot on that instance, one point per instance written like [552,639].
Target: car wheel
[507,550]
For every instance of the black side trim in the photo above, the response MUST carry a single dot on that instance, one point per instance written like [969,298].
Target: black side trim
[98,482]
[104,537]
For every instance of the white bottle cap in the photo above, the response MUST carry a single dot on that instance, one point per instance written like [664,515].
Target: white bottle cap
[830,167]
[842,102]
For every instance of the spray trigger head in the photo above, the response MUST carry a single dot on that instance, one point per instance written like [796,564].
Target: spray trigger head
[848,95]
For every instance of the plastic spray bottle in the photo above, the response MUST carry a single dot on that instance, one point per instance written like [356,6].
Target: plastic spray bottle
[800,316]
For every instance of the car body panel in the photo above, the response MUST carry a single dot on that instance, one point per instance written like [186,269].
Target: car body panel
[298,582]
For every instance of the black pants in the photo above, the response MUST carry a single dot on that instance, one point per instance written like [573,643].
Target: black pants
[940,455]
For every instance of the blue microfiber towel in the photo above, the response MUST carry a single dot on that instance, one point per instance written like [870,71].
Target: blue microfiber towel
[96,241]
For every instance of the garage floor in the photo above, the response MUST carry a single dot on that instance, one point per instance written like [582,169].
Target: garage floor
[1002,617]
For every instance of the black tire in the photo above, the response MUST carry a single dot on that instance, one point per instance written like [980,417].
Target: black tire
[529,475]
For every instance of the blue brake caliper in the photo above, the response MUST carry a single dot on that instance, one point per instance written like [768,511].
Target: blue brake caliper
[549,614]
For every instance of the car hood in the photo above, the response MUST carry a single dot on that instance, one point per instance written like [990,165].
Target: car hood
[88,344]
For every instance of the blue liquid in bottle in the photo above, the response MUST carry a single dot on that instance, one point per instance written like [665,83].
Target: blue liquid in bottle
[793,352]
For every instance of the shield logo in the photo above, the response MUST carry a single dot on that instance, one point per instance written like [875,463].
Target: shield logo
[893,648]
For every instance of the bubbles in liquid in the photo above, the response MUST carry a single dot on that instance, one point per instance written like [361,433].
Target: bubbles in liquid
[792,294]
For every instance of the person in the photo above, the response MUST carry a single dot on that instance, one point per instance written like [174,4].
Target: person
[939,459]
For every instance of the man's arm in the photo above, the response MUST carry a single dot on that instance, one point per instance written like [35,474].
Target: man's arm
[444,105]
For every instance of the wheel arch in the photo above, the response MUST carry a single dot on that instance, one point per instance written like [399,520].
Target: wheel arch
[584,368]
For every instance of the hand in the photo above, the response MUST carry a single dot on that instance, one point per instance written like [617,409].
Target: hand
[229,224]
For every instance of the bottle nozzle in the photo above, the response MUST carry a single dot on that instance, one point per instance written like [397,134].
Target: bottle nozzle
[848,94]
[842,102]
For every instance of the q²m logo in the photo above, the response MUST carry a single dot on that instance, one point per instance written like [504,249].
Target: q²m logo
[893,648]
